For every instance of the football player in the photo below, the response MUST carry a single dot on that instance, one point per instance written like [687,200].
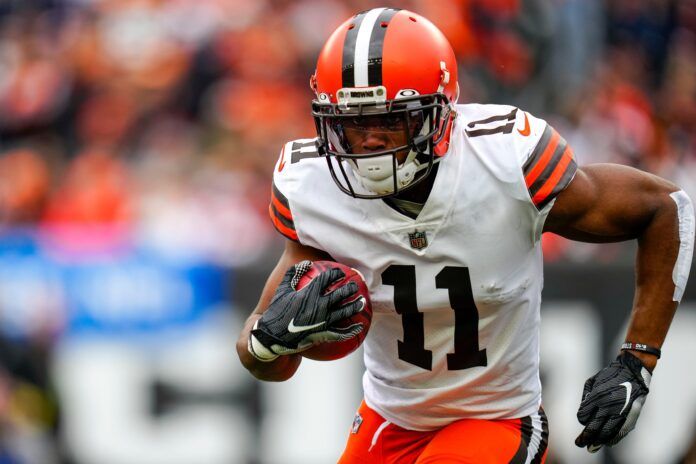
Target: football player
[441,206]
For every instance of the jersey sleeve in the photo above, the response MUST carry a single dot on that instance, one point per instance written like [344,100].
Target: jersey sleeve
[281,216]
[292,187]
[531,161]
[549,168]
[279,207]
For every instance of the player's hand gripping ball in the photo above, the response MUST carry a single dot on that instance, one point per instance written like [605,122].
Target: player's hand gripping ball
[330,350]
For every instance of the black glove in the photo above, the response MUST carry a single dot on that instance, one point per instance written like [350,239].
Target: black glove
[611,402]
[297,319]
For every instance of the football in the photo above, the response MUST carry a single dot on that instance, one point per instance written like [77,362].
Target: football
[328,351]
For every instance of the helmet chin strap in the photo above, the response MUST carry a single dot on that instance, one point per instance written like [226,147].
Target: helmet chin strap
[377,174]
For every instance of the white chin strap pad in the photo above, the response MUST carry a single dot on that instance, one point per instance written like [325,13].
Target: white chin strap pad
[377,174]
[374,169]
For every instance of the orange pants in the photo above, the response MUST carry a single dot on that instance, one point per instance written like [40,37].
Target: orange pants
[375,440]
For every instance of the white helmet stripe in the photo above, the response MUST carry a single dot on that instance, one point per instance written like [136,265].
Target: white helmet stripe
[362,47]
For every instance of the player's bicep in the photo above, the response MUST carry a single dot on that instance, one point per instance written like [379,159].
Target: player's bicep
[607,203]
[294,253]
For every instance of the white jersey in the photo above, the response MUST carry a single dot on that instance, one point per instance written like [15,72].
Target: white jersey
[456,291]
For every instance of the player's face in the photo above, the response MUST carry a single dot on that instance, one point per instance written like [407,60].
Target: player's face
[369,134]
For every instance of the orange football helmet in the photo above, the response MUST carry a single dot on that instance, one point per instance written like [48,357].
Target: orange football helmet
[392,71]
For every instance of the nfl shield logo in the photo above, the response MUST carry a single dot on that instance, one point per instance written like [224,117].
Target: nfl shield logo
[418,240]
[356,423]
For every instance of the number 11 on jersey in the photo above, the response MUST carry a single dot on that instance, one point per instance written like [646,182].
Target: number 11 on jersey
[458,284]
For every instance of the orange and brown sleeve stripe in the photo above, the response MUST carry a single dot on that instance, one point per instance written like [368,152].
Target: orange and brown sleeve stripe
[549,169]
[281,216]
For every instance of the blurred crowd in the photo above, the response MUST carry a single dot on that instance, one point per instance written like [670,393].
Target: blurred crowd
[164,117]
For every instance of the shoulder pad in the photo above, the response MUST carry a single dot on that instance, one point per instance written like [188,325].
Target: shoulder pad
[518,147]
[288,176]
[295,151]
[501,131]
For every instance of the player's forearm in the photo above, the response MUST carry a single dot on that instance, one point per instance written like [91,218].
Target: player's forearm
[278,370]
[660,272]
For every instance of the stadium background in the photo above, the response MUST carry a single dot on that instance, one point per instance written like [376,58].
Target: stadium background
[137,139]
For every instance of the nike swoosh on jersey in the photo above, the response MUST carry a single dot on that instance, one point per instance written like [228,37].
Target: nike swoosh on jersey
[281,161]
[629,387]
[527,130]
[302,328]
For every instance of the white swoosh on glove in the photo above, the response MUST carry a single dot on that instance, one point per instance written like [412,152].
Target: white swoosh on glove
[629,387]
[301,328]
